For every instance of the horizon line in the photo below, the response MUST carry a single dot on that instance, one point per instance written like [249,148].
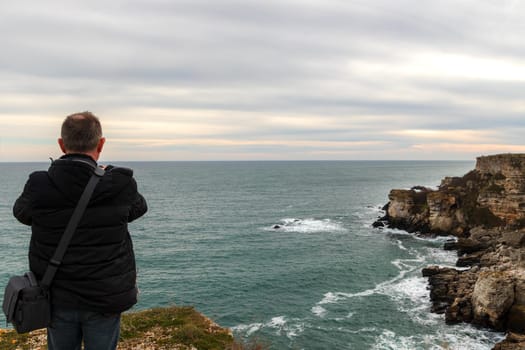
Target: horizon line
[255,160]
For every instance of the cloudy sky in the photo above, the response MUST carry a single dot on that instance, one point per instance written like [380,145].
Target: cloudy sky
[266,79]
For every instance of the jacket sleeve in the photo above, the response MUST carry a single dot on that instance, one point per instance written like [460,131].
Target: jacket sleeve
[138,207]
[22,208]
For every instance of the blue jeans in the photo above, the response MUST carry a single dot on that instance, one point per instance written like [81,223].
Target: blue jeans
[69,327]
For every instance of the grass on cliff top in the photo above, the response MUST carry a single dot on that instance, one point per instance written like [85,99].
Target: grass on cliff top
[167,328]
[10,340]
[171,326]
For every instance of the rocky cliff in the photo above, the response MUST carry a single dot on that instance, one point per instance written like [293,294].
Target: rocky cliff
[485,210]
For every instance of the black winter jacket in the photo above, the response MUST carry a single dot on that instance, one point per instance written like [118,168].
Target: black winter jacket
[98,270]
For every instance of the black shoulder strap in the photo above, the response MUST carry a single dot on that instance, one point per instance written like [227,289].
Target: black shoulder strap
[56,260]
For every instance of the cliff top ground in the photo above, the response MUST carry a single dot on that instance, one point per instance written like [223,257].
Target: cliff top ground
[170,328]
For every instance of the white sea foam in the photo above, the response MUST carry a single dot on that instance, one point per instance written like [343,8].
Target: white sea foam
[330,298]
[319,311]
[248,329]
[442,257]
[308,225]
[412,288]
[404,265]
[335,297]
[408,265]
[291,328]
[467,337]
[397,232]
[389,340]
[400,244]
[277,322]
[437,239]
[347,317]
[463,338]
[359,215]
[409,293]
[411,297]
[434,254]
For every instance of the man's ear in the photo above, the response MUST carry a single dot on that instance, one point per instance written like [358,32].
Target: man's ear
[101,144]
[61,144]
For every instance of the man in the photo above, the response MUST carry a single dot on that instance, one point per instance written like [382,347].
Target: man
[97,278]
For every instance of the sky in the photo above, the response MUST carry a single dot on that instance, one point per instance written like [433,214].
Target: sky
[267,79]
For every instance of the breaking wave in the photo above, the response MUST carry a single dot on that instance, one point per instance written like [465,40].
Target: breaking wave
[308,225]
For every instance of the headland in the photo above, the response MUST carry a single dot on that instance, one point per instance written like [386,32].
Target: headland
[485,212]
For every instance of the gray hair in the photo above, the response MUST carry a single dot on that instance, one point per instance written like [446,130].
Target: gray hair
[81,132]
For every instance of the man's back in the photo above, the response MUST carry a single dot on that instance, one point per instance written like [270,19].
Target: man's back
[98,271]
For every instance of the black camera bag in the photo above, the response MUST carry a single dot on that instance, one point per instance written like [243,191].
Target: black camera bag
[26,304]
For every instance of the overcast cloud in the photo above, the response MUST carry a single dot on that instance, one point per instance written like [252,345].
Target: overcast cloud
[288,79]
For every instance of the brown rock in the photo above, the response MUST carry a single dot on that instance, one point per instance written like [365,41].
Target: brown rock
[431,270]
[450,292]
[511,342]
[516,319]
[519,290]
[407,210]
[515,239]
[492,298]
[470,245]
[470,259]
[505,193]
[459,311]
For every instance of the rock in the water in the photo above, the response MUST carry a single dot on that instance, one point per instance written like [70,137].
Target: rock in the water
[378,224]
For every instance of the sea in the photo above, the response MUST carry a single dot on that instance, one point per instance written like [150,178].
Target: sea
[281,252]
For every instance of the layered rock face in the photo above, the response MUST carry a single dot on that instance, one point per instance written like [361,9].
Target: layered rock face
[505,197]
[492,195]
[485,210]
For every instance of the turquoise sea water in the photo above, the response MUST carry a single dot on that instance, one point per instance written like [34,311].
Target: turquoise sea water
[324,280]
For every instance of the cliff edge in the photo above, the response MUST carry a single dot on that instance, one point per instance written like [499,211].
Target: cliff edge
[485,211]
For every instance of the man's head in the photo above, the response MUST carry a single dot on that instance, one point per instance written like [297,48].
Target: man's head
[82,133]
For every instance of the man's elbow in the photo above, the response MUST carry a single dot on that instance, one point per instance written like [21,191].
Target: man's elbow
[139,208]
[22,215]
